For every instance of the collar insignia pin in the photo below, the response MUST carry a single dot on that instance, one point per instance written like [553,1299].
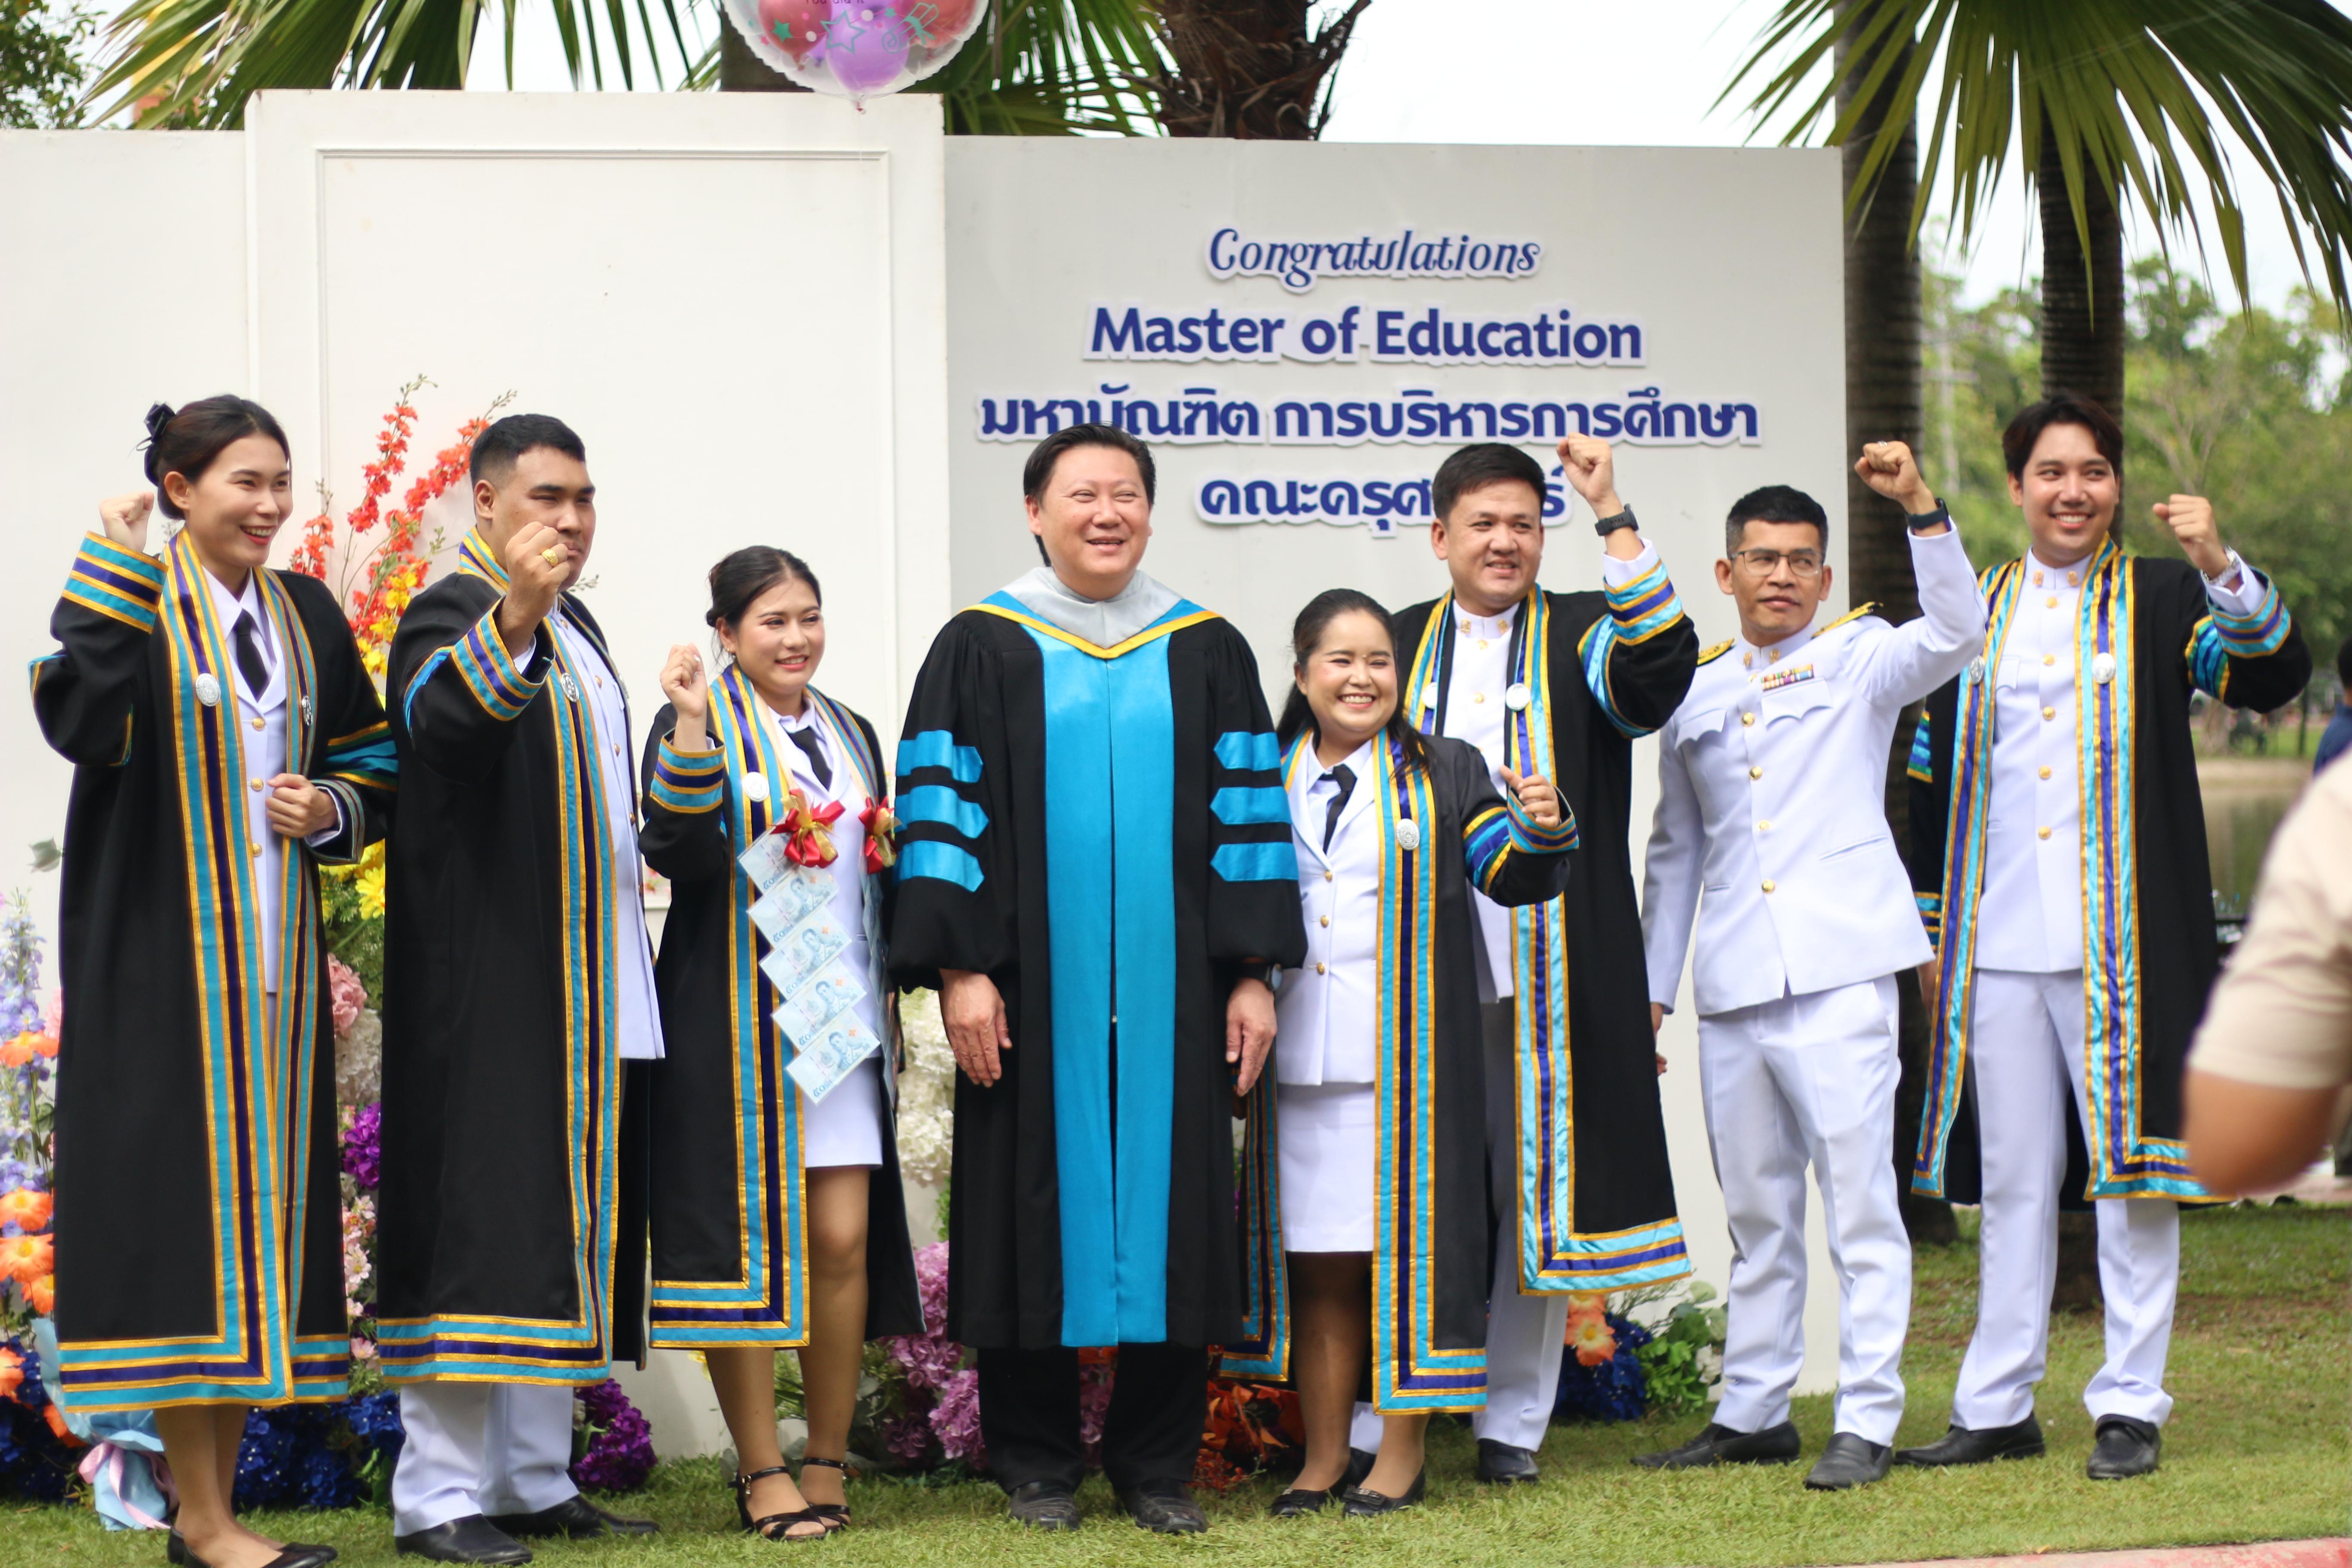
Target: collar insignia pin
[208,689]
[1408,834]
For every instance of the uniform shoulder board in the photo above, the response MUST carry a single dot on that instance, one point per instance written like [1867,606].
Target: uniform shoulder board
[1718,651]
[1853,615]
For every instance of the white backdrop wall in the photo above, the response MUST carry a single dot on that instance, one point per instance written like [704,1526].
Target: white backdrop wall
[1729,262]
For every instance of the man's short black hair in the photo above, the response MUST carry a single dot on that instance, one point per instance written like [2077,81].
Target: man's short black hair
[1773,503]
[1475,468]
[2061,407]
[1038,471]
[497,450]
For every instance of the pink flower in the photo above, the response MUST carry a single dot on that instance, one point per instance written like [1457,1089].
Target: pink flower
[956,1420]
[53,1016]
[349,995]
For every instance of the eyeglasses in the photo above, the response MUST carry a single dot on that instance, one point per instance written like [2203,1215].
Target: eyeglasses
[1761,564]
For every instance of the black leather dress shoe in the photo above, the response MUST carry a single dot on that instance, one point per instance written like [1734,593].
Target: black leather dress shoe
[1966,1445]
[2125,1448]
[292,1555]
[1850,1460]
[1502,1466]
[1720,1444]
[1298,1503]
[472,1539]
[1043,1505]
[576,1516]
[1359,1504]
[1163,1508]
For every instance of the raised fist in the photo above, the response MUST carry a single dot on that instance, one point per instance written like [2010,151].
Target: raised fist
[124,518]
[1888,468]
[1589,467]
[2191,518]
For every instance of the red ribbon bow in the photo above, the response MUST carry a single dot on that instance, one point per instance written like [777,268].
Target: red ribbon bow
[881,854]
[808,834]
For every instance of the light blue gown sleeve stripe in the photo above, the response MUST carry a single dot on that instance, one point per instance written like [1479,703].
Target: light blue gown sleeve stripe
[938,749]
[1248,751]
[946,862]
[937,803]
[2259,634]
[1923,756]
[1248,807]
[1598,642]
[2209,657]
[1255,862]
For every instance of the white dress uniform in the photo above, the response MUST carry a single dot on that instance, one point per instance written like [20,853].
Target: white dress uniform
[1524,1333]
[1772,830]
[844,1128]
[506,1447]
[263,747]
[1327,1015]
[2026,1048]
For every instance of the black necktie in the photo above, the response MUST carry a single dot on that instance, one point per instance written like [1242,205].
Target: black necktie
[807,741]
[249,662]
[1345,777]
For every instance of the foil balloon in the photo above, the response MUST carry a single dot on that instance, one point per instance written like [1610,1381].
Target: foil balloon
[855,49]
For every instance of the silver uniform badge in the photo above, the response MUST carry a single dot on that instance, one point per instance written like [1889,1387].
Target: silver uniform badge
[1408,834]
[208,689]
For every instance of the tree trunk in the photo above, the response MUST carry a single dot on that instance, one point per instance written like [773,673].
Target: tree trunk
[1883,403]
[740,71]
[1248,70]
[2082,292]
[2083,352]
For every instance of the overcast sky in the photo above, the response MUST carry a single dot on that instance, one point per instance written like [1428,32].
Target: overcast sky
[1589,72]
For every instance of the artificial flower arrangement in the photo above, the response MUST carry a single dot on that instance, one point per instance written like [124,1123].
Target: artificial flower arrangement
[1621,1368]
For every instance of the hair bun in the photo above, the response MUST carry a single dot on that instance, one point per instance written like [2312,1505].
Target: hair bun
[159,415]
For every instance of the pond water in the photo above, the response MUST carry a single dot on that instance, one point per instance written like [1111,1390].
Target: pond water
[2244,801]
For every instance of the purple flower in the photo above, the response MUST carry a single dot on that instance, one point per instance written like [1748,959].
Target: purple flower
[619,1454]
[362,1148]
[956,1420]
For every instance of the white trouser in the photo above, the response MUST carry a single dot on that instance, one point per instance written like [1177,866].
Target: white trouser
[1525,1334]
[480,1448]
[1810,1078]
[2025,1051]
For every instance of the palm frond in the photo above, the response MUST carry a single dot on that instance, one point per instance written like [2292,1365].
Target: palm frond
[1054,68]
[2129,92]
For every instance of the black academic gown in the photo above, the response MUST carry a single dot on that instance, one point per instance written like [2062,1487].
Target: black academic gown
[1100,831]
[728,1230]
[509,1241]
[2148,937]
[1431,1218]
[199,1218]
[1601,670]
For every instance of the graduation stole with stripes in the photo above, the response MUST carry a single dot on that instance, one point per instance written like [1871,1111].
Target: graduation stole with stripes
[1553,1254]
[2123,1163]
[1410,1370]
[257,1069]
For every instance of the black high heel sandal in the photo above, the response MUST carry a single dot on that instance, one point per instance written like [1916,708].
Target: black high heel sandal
[773,1526]
[835,1514]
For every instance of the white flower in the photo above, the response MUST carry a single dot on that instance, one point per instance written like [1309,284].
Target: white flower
[926,1090]
[359,1060]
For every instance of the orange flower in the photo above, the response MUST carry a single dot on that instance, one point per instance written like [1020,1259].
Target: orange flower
[1592,1338]
[26,1209]
[12,1373]
[41,1295]
[25,1258]
[17,1052]
[57,1425]
[45,1043]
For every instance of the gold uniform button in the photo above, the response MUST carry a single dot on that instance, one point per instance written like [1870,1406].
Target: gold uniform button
[2049,659]
[1748,718]
[256,723]
[1764,828]
[1768,884]
[2051,603]
[1318,969]
[1755,773]
[1327,876]
[1323,919]
[1482,642]
[1477,697]
[2045,770]
[2050,712]
[2041,832]
[258,784]
[254,850]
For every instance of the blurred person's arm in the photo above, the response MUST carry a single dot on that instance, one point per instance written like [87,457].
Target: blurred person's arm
[2247,1137]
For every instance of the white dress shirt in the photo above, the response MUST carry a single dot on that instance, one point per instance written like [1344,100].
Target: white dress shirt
[1326,1015]
[1772,785]
[1475,712]
[635,1014]
[848,868]
[2030,912]
[261,744]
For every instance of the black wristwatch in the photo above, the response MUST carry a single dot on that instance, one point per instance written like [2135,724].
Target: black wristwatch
[1918,522]
[1606,526]
[1265,973]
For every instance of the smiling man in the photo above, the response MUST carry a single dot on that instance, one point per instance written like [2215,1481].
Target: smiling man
[2068,875]
[1771,831]
[509,1259]
[1555,686]
[1095,871]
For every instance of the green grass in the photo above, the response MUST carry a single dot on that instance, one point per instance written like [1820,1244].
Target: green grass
[2256,1450]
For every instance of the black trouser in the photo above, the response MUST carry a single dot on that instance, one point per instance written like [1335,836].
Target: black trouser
[1029,1416]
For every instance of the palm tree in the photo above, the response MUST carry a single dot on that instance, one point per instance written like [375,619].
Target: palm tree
[1249,69]
[1038,67]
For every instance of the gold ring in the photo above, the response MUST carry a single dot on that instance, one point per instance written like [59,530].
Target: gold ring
[552,555]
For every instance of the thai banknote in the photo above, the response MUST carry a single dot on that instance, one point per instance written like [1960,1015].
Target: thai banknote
[832,1055]
[827,993]
[806,948]
[790,900]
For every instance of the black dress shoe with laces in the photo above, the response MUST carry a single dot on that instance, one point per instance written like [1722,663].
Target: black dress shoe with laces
[1499,1464]
[575,1517]
[1850,1460]
[1361,1503]
[1719,1444]
[2125,1448]
[1163,1508]
[1043,1505]
[472,1539]
[1978,1446]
